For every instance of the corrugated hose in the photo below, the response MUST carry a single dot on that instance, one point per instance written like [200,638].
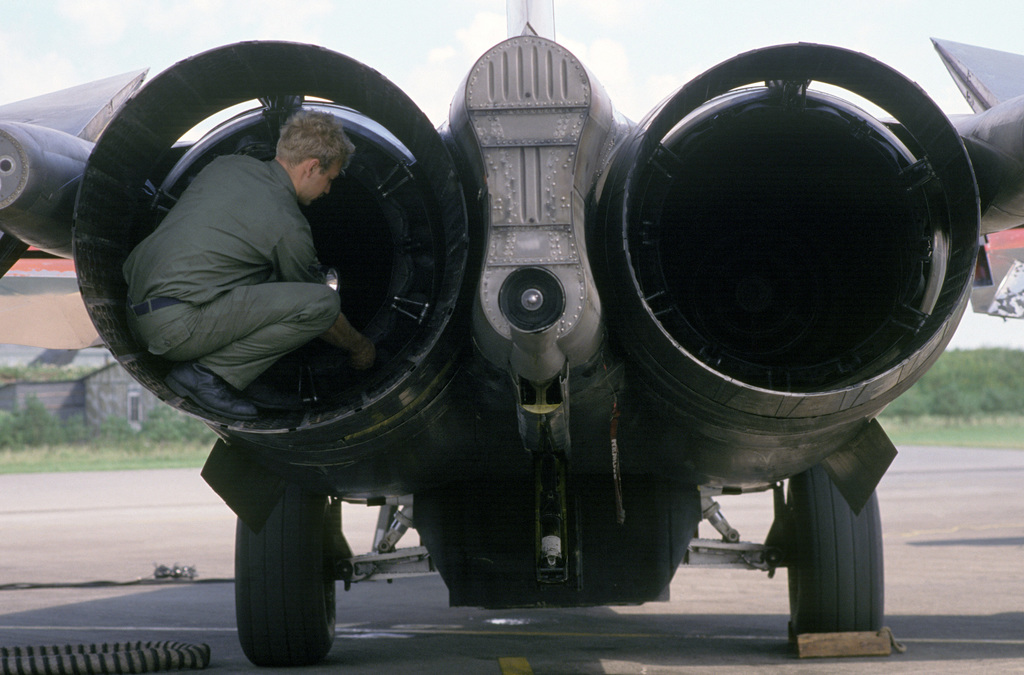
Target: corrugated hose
[121,657]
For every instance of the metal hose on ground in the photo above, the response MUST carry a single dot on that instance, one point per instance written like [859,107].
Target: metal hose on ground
[121,657]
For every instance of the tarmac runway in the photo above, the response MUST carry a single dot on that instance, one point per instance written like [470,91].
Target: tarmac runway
[954,548]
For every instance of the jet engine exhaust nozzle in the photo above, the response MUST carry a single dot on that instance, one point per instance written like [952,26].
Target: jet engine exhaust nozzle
[776,250]
[395,226]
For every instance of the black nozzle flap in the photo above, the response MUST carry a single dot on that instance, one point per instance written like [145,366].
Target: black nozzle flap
[249,489]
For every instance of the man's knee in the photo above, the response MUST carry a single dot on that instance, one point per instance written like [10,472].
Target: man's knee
[322,308]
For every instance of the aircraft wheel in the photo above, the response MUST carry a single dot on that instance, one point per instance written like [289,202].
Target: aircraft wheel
[284,589]
[836,575]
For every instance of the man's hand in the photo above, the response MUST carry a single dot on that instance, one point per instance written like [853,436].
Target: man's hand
[359,347]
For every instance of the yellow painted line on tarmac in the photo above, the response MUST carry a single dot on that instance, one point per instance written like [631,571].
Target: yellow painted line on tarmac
[514,665]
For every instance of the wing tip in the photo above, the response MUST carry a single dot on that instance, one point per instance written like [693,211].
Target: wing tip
[986,77]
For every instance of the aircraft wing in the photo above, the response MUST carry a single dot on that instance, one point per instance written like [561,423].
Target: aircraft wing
[991,82]
[45,143]
[986,77]
[81,111]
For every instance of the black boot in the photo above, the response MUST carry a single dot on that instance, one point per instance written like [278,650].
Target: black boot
[269,397]
[208,390]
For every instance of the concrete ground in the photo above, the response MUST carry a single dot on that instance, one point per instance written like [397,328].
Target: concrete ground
[954,538]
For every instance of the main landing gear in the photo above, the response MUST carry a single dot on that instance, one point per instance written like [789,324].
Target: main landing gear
[284,581]
[285,574]
[835,573]
[833,555]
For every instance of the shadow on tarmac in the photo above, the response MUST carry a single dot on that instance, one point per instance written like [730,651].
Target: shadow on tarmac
[387,629]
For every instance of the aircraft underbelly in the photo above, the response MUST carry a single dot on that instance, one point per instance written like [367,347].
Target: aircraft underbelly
[481,537]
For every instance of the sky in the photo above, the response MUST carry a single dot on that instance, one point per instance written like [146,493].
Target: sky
[640,50]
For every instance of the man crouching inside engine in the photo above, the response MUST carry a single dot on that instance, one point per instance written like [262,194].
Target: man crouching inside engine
[229,281]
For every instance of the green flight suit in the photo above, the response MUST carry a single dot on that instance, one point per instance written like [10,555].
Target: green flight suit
[238,253]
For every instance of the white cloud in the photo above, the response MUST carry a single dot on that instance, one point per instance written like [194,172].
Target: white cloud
[658,86]
[441,54]
[632,93]
[484,32]
[308,17]
[608,59]
[201,24]
[433,83]
[102,22]
[607,12]
[27,73]
[185,18]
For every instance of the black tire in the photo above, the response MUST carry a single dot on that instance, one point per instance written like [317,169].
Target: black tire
[835,575]
[284,588]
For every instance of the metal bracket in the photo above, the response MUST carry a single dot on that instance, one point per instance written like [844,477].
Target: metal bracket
[415,310]
[401,521]
[712,513]
[726,555]
[403,563]
[398,176]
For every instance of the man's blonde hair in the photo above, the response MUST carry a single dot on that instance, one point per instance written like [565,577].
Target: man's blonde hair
[312,134]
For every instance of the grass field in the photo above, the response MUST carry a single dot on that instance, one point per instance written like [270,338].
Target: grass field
[982,432]
[998,432]
[93,457]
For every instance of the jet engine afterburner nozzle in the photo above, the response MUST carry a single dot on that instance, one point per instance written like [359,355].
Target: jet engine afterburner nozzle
[770,250]
[395,226]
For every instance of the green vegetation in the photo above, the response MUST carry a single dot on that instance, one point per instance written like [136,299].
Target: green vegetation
[969,398]
[42,373]
[967,385]
[32,440]
[979,432]
[45,459]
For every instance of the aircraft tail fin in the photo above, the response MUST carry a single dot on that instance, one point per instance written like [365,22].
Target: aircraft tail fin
[986,77]
[531,17]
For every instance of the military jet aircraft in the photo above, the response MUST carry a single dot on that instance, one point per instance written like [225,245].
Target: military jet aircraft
[587,328]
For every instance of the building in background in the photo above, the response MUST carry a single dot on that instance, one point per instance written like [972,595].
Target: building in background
[63,400]
[103,393]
